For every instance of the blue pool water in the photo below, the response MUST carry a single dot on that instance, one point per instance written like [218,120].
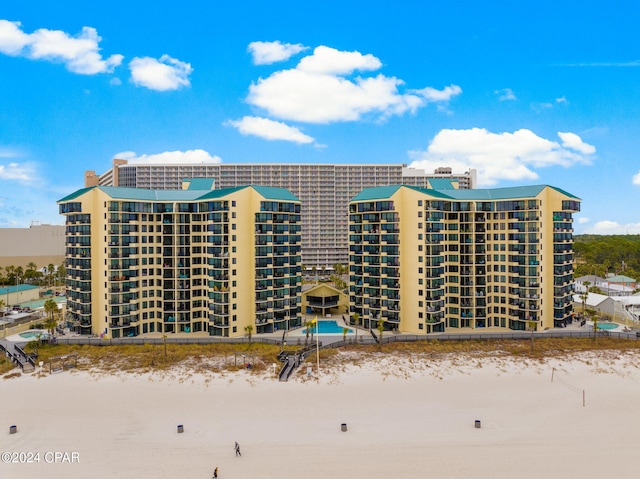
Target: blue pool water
[33,334]
[607,325]
[327,327]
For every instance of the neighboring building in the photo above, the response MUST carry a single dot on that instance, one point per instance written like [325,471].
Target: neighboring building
[39,244]
[459,260]
[22,293]
[324,189]
[324,300]
[189,261]
[603,285]
[623,280]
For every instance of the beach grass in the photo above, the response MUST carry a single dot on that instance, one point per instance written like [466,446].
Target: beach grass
[232,357]
[5,365]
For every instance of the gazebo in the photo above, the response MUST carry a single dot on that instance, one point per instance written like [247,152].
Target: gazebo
[323,300]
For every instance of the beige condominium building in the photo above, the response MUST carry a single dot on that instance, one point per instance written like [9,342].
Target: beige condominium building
[451,260]
[324,189]
[197,260]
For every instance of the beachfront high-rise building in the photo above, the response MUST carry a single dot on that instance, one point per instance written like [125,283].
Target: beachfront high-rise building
[195,260]
[324,189]
[454,260]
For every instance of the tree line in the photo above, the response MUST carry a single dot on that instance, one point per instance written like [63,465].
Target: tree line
[13,275]
[603,254]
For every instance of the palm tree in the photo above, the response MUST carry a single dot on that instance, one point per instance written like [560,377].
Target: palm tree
[10,274]
[308,325]
[249,330]
[356,321]
[61,273]
[19,271]
[50,270]
[585,295]
[380,330]
[51,308]
[344,334]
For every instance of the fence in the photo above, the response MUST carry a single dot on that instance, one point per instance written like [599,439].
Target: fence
[20,328]
[386,339]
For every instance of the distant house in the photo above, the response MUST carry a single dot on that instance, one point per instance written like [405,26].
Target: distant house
[593,280]
[623,281]
[606,286]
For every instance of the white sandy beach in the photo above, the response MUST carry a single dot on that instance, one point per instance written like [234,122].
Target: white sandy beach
[417,422]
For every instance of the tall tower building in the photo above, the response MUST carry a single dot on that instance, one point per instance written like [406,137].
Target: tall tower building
[324,190]
[197,260]
[424,260]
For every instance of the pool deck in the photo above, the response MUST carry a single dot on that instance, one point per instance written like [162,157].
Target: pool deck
[16,338]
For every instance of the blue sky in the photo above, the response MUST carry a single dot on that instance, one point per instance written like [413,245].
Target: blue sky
[533,92]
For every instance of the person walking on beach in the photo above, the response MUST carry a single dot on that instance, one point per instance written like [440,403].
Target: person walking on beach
[238,453]
[215,473]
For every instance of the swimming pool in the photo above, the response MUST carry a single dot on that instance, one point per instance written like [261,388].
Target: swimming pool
[327,327]
[607,326]
[33,334]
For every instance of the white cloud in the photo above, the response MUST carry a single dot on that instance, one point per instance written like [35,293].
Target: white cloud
[499,156]
[80,53]
[607,227]
[562,99]
[164,74]
[582,220]
[318,90]
[506,94]
[168,157]
[329,61]
[444,95]
[265,53]
[23,172]
[12,38]
[269,129]
[636,179]
[573,141]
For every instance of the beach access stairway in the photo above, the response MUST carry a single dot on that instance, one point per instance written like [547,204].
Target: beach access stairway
[291,360]
[16,354]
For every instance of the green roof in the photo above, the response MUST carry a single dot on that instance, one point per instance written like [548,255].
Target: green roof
[376,193]
[273,193]
[140,194]
[76,194]
[442,183]
[514,192]
[621,279]
[14,289]
[200,183]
